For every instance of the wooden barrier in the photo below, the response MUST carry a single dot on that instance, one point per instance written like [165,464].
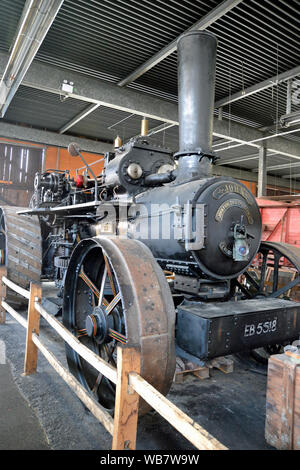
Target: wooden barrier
[33,326]
[102,415]
[3,272]
[192,431]
[129,384]
[15,314]
[127,400]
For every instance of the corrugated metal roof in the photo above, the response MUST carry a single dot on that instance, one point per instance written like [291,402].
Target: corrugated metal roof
[105,123]
[109,39]
[253,45]
[116,36]
[10,13]
[41,109]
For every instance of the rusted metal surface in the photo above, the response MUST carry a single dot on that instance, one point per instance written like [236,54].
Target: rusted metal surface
[21,246]
[147,304]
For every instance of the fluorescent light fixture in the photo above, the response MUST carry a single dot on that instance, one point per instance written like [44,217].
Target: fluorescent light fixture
[36,19]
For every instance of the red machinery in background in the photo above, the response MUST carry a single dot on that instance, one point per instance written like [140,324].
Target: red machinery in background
[281,219]
[281,225]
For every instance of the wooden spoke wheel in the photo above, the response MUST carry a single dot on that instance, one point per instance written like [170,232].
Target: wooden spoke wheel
[115,293]
[275,273]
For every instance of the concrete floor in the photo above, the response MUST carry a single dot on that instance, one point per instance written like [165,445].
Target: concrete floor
[230,406]
[20,428]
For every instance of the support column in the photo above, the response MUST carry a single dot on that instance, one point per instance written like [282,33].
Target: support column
[262,172]
[289,97]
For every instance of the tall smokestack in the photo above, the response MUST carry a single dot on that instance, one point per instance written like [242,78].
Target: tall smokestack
[196,94]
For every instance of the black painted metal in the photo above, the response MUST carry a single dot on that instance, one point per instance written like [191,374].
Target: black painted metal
[219,329]
[196,91]
[215,194]
[196,88]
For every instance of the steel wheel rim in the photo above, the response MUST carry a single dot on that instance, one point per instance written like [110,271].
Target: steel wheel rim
[130,328]
[261,283]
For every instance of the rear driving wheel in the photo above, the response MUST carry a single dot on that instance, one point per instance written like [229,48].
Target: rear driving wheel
[20,249]
[115,293]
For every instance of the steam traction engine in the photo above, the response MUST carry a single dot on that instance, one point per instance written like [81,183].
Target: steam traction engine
[156,252]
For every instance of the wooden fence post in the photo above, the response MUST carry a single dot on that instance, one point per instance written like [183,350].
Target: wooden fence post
[127,400]
[3,272]
[31,353]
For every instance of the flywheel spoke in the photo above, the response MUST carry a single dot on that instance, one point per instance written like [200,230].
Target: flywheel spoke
[101,293]
[89,283]
[252,281]
[93,288]
[97,384]
[118,336]
[286,288]
[112,285]
[113,304]
[263,273]
[276,271]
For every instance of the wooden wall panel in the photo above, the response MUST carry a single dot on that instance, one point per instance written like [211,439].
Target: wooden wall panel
[62,160]
[251,186]
[18,166]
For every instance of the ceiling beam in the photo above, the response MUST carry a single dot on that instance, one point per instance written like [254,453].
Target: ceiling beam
[270,82]
[28,134]
[253,177]
[49,78]
[202,24]
[243,158]
[283,166]
[291,177]
[90,109]
[246,135]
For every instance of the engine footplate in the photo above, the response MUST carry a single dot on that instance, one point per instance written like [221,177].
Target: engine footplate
[208,330]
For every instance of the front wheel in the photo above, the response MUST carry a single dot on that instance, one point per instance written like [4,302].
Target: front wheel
[115,293]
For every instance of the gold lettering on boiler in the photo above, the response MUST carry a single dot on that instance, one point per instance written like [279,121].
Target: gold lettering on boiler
[233,203]
[232,188]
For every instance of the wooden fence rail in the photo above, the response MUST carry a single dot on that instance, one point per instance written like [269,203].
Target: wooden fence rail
[129,384]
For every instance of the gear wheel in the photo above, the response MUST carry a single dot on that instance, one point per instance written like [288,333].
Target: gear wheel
[61,262]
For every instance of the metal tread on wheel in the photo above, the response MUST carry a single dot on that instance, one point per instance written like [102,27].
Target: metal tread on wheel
[115,293]
[20,246]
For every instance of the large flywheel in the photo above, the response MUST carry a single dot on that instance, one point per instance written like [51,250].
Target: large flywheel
[275,273]
[115,293]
